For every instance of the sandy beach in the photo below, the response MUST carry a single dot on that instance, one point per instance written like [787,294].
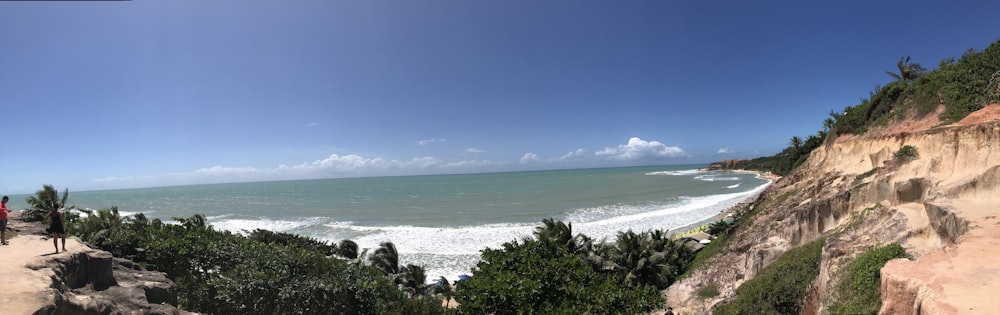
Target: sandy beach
[728,212]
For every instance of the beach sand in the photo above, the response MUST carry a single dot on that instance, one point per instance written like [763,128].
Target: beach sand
[27,290]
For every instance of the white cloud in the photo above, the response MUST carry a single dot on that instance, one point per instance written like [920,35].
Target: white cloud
[429,141]
[312,124]
[332,166]
[637,149]
[353,165]
[724,151]
[573,155]
[530,158]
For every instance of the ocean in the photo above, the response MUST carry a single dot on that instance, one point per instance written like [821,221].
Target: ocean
[443,221]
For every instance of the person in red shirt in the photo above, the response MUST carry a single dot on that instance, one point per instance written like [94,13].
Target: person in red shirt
[3,220]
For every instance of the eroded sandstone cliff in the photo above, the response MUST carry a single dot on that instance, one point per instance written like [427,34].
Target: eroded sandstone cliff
[942,206]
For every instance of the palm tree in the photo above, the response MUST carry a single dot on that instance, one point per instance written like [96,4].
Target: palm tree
[796,142]
[557,231]
[652,258]
[386,259]
[632,255]
[828,123]
[349,249]
[561,233]
[413,280]
[197,221]
[96,227]
[45,200]
[907,71]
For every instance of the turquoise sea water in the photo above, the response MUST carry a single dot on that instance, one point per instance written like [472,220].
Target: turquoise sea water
[443,221]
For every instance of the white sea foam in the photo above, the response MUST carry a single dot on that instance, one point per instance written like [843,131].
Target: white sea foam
[715,178]
[120,213]
[247,225]
[678,173]
[733,186]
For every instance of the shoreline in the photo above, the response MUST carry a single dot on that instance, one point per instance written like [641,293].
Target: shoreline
[702,225]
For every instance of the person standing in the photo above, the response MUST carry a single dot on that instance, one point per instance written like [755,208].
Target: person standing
[57,227]
[3,220]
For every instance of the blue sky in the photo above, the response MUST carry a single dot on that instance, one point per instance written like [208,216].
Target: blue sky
[101,95]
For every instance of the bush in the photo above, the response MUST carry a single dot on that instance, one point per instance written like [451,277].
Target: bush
[907,152]
[780,287]
[709,291]
[866,174]
[541,277]
[294,240]
[860,287]
[218,272]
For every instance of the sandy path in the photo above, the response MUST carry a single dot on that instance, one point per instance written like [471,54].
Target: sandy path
[25,291]
[963,278]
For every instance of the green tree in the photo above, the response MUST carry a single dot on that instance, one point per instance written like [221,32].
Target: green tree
[650,258]
[413,280]
[796,143]
[348,249]
[542,277]
[386,259]
[562,233]
[45,200]
[907,71]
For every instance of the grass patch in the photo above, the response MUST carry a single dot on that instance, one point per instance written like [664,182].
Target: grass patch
[781,287]
[859,288]
[859,186]
[709,291]
[866,174]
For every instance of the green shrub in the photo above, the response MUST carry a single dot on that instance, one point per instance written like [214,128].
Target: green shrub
[542,277]
[866,174]
[709,291]
[294,240]
[860,287]
[718,227]
[218,272]
[779,288]
[907,152]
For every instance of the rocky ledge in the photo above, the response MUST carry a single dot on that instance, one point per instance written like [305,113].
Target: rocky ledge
[94,282]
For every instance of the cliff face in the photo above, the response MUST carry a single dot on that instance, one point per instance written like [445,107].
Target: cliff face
[942,206]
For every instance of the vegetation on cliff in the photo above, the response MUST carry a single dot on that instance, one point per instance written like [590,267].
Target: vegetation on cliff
[859,290]
[961,85]
[781,287]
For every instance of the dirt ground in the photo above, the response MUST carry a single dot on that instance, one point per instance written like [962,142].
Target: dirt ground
[26,290]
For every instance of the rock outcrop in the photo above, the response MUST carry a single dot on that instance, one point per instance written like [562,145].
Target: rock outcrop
[941,205]
[94,282]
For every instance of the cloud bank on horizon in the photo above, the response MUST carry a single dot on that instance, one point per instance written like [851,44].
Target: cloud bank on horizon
[636,151]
